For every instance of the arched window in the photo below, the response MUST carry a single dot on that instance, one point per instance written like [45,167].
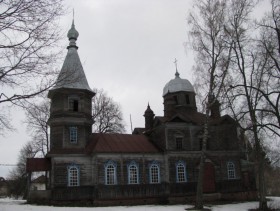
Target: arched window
[154,172]
[73,173]
[231,170]
[133,176]
[110,173]
[181,172]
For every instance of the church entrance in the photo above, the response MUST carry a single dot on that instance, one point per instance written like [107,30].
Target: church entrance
[209,178]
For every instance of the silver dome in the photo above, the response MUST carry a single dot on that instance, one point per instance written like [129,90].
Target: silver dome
[177,84]
[73,33]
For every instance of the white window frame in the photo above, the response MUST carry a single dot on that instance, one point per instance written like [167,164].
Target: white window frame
[73,175]
[181,173]
[154,172]
[110,173]
[73,134]
[231,170]
[133,173]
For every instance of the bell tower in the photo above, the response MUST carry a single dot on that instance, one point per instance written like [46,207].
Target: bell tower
[149,118]
[178,96]
[71,109]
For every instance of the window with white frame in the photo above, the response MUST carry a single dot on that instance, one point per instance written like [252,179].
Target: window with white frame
[154,173]
[231,170]
[110,173]
[133,177]
[73,173]
[73,134]
[181,172]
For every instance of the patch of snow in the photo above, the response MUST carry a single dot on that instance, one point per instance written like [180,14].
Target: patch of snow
[8,204]
[235,207]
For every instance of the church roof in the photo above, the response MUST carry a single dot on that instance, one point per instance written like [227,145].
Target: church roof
[177,84]
[196,118]
[120,143]
[112,143]
[72,73]
[138,130]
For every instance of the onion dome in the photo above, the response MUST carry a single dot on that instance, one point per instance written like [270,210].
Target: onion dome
[177,85]
[72,35]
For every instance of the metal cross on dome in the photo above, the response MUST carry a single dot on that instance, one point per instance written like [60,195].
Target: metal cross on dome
[175,62]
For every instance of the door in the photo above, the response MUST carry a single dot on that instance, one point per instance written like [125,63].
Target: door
[209,178]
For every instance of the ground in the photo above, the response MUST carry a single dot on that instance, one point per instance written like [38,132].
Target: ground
[7,204]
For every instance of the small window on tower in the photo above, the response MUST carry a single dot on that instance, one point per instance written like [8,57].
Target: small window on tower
[175,99]
[73,104]
[187,99]
[73,134]
[179,143]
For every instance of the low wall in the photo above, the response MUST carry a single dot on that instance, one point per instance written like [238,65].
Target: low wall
[240,196]
[103,195]
[39,196]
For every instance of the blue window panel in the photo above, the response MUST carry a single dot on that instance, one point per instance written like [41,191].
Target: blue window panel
[73,134]
[133,173]
[181,173]
[231,170]
[154,173]
[110,173]
[73,175]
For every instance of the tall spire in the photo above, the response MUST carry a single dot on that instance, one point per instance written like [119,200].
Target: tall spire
[72,35]
[72,75]
[176,74]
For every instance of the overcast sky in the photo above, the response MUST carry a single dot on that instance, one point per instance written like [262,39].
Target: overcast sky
[127,48]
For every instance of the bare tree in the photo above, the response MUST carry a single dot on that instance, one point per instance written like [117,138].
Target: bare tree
[18,176]
[29,34]
[248,70]
[5,122]
[36,119]
[268,43]
[212,48]
[106,114]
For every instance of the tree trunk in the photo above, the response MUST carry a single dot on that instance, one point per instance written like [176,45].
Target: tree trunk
[262,190]
[260,161]
[199,187]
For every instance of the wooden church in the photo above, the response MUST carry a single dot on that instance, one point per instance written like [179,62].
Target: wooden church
[158,163]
